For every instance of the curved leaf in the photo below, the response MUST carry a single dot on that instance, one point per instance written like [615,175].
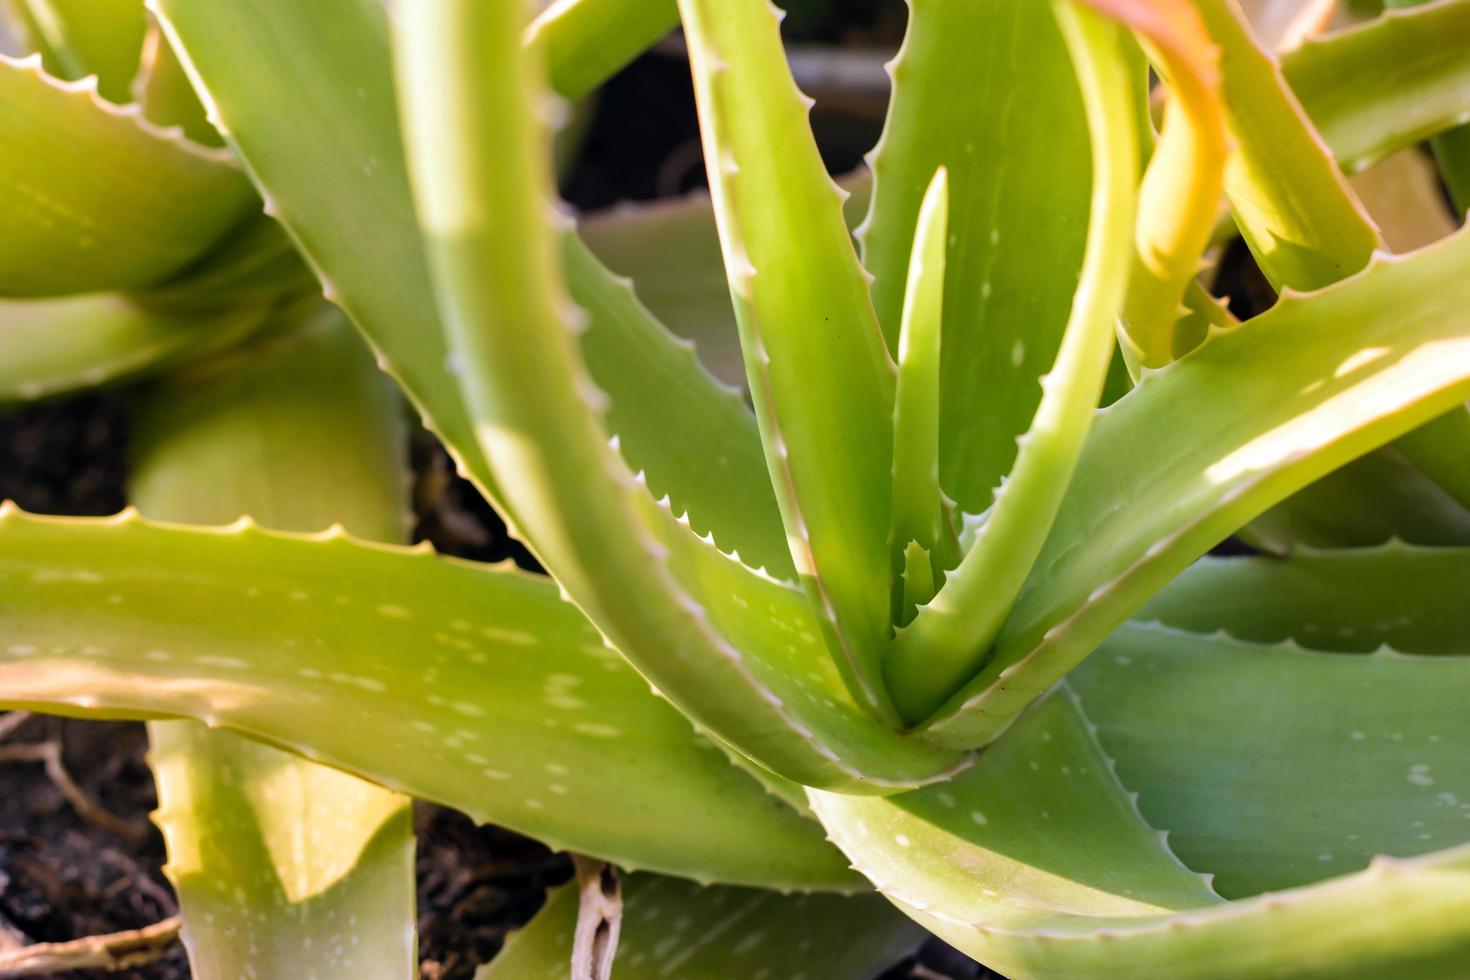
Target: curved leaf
[944,644]
[1249,421]
[251,60]
[1274,767]
[96,197]
[302,432]
[466,685]
[1292,203]
[51,347]
[587,41]
[1386,83]
[985,90]
[820,374]
[1037,863]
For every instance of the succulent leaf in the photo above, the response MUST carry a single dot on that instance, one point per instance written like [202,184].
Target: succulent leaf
[77,38]
[1340,79]
[52,347]
[820,374]
[588,41]
[1292,203]
[1350,600]
[949,638]
[361,221]
[986,91]
[96,196]
[673,928]
[1254,424]
[1274,767]
[271,854]
[566,745]
[1185,173]
[1099,893]
[623,559]
[918,501]
[1375,498]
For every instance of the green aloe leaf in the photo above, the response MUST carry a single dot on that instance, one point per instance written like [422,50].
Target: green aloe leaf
[587,41]
[1350,600]
[463,669]
[730,669]
[671,251]
[1373,499]
[1183,179]
[1343,80]
[1292,203]
[1038,862]
[87,37]
[1275,767]
[1018,214]
[358,221]
[944,644]
[52,347]
[1301,219]
[919,518]
[302,432]
[1249,422]
[163,90]
[96,197]
[820,374]
[282,867]
[672,928]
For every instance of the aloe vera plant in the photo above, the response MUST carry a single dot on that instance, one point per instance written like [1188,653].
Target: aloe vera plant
[930,615]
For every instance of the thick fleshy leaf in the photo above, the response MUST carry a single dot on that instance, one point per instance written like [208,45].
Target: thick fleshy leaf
[1386,83]
[674,606]
[587,41]
[1017,217]
[1184,175]
[672,928]
[268,852]
[1274,767]
[945,643]
[1248,422]
[1099,894]
[486,692]
[1349,600]
[282,867]
[1374,498]
[1292,203]
[96,197]
[88,37]
[163,90]
[671,251]
[820,373]
[332,167]
[51,347]
[918,501]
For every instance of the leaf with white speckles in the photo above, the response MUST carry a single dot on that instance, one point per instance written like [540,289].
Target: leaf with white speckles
[282,866]
[1038,863]
[676,929]
[486,692]
[1274,767]
[1204,445]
